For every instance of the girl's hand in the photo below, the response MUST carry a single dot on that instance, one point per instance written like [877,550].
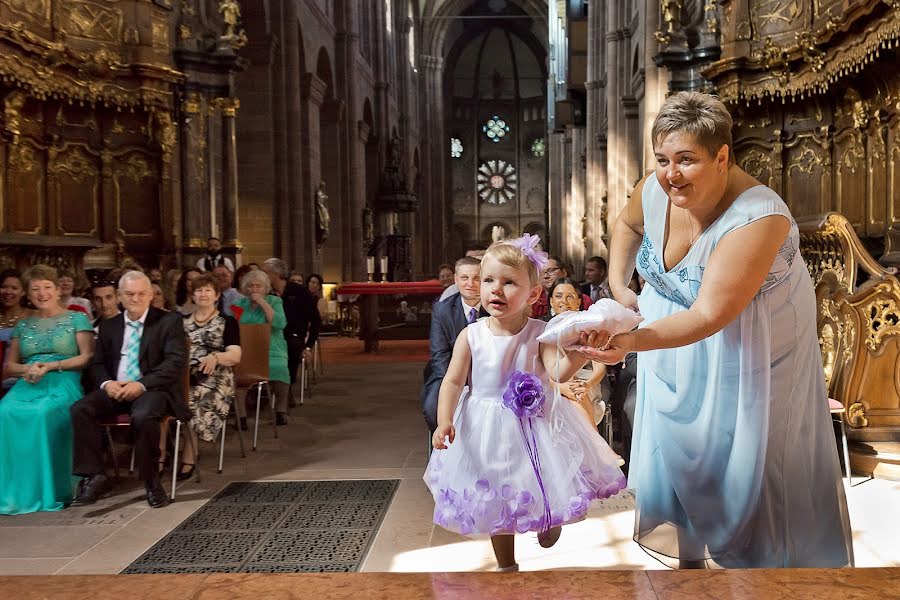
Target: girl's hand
[626,297]
[443,431]
[614,352]
[571,389]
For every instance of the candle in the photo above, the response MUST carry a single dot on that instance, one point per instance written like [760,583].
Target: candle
[370,264]
[384,266]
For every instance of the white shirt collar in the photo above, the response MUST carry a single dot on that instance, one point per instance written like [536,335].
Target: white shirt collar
[141,320]
[467,309]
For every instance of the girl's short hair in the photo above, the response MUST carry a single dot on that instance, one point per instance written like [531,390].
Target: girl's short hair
[698,115]
[512,256]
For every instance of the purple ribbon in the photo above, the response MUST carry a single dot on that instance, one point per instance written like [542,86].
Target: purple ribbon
[535,459]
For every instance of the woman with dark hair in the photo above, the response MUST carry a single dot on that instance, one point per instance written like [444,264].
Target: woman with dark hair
[12,309]
[314,285]
[183,291]
[239,275]
[589,388]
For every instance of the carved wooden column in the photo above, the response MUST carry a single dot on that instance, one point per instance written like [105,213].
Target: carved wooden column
[167,138]
[195,207]
[313,94]
[230,230]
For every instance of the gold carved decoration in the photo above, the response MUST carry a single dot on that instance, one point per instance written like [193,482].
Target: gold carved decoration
[89,123]
[160,33]
[711,16]
[36,9]
[671,13]
[75,163]
[12,113]
[882,318]
[191,103]
[91,21]
[774,59]
[856,415]
[166,134]
[229,106]
[807,161]
[806,40]
[853,155]
[136,168]
[755,162]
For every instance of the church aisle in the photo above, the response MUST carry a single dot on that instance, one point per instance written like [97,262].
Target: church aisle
[362,421]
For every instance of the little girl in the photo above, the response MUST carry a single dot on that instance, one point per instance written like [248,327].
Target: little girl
[510,458]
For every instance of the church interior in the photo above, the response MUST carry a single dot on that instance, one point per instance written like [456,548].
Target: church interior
[369,145]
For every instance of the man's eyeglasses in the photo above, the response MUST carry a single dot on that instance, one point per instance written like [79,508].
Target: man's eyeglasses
[551,271]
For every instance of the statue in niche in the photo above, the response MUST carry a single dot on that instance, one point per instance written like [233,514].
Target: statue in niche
[498,232]
[323,219]
[231,12]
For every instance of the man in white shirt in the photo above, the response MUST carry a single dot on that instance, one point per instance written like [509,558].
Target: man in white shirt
[214,257]
[448,319]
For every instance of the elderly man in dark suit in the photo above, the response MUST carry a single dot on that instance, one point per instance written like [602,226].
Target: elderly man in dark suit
[139,365]
[448,318]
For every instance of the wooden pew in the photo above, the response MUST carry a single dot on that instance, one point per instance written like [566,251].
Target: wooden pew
[858,304]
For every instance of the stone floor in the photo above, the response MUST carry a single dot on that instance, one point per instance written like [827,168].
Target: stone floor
[362,421]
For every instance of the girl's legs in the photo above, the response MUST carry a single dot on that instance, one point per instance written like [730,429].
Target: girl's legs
[504,550]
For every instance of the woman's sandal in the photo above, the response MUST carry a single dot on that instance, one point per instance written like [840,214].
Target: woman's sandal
[548,538]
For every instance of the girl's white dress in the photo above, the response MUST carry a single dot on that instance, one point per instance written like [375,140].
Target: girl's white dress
[504,474]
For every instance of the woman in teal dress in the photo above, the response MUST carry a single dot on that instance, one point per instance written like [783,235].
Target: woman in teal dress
[259,305]
[734,456]
[48,352]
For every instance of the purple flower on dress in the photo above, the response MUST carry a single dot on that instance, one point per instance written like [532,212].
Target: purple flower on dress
[524,395]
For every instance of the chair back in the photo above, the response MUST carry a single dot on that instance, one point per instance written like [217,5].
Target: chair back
[254,365]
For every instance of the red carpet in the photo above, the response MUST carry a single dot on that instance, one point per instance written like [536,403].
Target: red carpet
[342,350]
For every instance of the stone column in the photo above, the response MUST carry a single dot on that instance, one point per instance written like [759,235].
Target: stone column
[230,229]
[595,178]
[358,203]
[576,207]
[295,207]
[435,191]
[616,194]
[313,94]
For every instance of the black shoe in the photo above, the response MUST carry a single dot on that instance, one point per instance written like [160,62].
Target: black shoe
[185,475]
[156,495]
[92,489]
[243,421]
[281,418]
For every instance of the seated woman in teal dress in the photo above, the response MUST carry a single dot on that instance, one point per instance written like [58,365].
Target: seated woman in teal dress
[259,305]
[733,457]
[48,352]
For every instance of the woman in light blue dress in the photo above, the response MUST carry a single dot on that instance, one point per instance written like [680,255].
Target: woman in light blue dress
[48,352]
[734,456]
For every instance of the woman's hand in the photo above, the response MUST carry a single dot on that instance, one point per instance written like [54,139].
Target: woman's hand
[572,389]
[208,364]
[626,297]
[258,299]
[446,430]
[614,352]
[36,372]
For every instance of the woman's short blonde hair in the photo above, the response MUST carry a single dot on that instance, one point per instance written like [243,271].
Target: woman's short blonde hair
[700,116]
[255,276]
[512,256]
[40,273]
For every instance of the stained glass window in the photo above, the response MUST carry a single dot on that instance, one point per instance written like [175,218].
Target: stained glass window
[538,148]
[495,129]
[456,148]
[497,181]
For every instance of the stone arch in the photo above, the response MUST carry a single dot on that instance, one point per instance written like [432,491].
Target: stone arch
[436,28]
[325,72]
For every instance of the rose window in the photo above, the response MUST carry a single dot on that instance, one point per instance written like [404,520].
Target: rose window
[538,148]
[497,182]
[495,129]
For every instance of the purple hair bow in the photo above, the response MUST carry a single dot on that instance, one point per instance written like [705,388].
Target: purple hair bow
[528,245]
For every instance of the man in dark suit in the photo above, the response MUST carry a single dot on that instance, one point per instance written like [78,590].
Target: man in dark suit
[303,324]
[595,285]
[448,318]
[139,364]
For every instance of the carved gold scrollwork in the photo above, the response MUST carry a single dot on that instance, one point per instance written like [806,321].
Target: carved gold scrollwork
[166,133]
[191,103]
[882,320]
[806,40]
[756,163]
[711,15]
[136,168]
[856,415]
[853,155]
[774,59]
[671,13]
[74,163]
[807,161]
